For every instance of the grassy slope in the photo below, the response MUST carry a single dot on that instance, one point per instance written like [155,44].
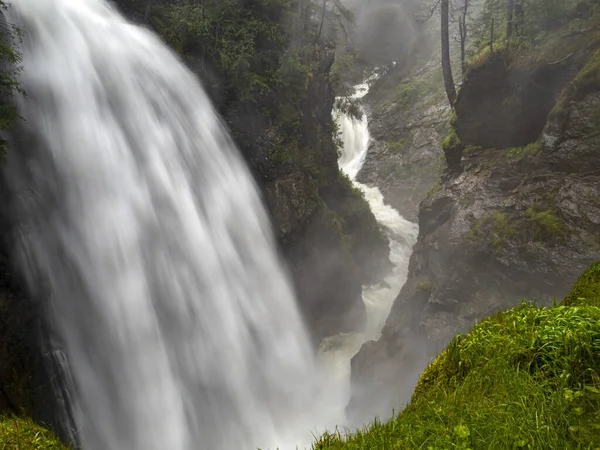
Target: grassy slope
[525,378]
[24,434]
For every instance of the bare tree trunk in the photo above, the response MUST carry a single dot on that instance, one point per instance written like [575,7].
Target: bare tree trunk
[322,20]
[462,24]
[509,21]
[446,67]
[492,38]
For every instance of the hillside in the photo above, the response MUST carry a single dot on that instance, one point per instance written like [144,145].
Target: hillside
[527,377]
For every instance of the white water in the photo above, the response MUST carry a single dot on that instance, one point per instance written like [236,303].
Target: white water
[180,327]
[336,352]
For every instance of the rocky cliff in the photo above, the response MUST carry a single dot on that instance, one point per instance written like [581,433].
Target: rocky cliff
[408,115]
[327,232]
[519,219]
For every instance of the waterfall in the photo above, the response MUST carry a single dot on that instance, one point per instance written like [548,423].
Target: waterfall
[335,353]
[139,215]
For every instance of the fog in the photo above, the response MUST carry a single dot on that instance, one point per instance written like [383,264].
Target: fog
[385,29]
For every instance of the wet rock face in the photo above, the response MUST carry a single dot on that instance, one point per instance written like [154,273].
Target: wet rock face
[572,140]
[517,223]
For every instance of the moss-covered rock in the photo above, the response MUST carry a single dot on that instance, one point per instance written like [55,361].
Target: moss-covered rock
[505,99]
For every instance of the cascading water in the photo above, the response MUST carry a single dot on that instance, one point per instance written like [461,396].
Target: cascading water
[179,325]
[336,352]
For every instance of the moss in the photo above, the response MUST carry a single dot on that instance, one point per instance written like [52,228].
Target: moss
[24,434]
[586,290]
[518,153]
[586,81]
[466,199]
[450,141]
[494,229]
[424,284]
[398,146]
[435,189]
[497,228]
[589,77]
[479,59]
[472,149]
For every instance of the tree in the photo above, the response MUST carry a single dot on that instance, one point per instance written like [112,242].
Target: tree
[463,34]
[509,20]
[446,65]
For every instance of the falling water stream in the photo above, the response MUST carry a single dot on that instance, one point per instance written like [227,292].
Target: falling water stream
[179,324]
[140,218]
[336,352]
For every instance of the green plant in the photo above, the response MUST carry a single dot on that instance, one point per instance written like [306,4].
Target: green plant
[494,229]
[23,434]
[543,225]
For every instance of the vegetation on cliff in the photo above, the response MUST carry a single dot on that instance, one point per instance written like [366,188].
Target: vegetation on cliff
[24,434]
[524,378]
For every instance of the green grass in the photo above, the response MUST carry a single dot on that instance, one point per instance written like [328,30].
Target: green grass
[526,378]
[24,434]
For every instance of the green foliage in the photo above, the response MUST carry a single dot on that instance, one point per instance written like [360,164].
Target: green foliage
[525,378]
[242,41]
[543,225]
[518,153]
[533,22]
[24,434]
[497,228]
[587,288]
[494,229]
